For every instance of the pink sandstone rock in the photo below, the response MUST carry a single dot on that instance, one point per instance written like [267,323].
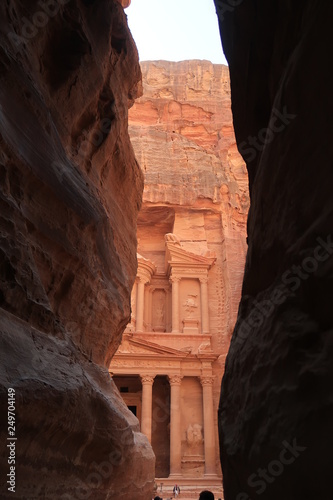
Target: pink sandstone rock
[182,134]
[195,188]
[70,194]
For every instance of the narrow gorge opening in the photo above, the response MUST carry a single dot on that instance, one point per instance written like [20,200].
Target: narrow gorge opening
[70,251]
[191,251]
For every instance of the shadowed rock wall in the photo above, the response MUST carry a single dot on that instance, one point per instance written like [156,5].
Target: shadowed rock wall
[276,405]
[70,193]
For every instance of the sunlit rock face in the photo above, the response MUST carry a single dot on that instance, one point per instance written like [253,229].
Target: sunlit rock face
[276,406]
[70,193]
[125,3]
[196,191]
[182,134]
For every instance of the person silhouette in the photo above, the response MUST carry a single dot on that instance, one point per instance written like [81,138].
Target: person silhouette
[176,490]
[206,495]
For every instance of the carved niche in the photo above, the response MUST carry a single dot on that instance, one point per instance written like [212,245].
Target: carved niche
[159,311]
[193,458]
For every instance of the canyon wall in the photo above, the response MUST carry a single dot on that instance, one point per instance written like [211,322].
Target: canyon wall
[195,188]
[70,194]
[276,406]
[182,134]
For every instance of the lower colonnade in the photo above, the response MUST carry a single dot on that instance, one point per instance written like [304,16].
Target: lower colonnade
[175,421]
[165,366]
[176,412]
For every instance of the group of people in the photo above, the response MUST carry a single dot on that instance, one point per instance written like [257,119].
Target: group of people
[204,495]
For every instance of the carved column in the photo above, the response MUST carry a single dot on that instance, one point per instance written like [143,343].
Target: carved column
[209,423]
[146,311]
[140,304]
[175,303]
[147,400]
[146,269]
[133,303]
[150,308]
[204,304]
[175,428]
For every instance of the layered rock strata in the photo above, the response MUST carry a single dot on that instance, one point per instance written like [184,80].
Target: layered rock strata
[70,193]
[277,401]
[182,134]
[195,188]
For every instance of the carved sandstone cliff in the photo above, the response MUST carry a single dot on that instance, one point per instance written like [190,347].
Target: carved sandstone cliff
[182,134]
[70,191]
[195,184]
[276,407]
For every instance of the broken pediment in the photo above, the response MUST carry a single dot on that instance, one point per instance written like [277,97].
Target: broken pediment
[131,345]
[146,268]
[178,257]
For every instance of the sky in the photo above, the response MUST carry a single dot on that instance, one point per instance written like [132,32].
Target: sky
[175,30]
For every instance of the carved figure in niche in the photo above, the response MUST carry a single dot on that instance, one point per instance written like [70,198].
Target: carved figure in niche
[159,311]
[159,314]
[190,304]
[194,436]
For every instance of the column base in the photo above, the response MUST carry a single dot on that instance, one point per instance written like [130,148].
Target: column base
[211,475]
[175,475]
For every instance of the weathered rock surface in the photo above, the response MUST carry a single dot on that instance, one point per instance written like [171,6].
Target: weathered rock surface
[70,194]
[195,183]
[277,389]
[182,134]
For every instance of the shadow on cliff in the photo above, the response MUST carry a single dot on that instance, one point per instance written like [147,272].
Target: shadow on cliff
[70,193]
[276,404]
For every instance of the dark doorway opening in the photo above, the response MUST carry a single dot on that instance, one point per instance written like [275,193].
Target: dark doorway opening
[132,409]
[160,438]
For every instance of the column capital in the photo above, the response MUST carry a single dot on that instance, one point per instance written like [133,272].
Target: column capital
[203,279]
[147,379]
[207,379]
[174,279]
[142,279]
[175,379]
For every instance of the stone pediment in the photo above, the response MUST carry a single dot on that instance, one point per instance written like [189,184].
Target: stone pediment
[176,256]
[133,346]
